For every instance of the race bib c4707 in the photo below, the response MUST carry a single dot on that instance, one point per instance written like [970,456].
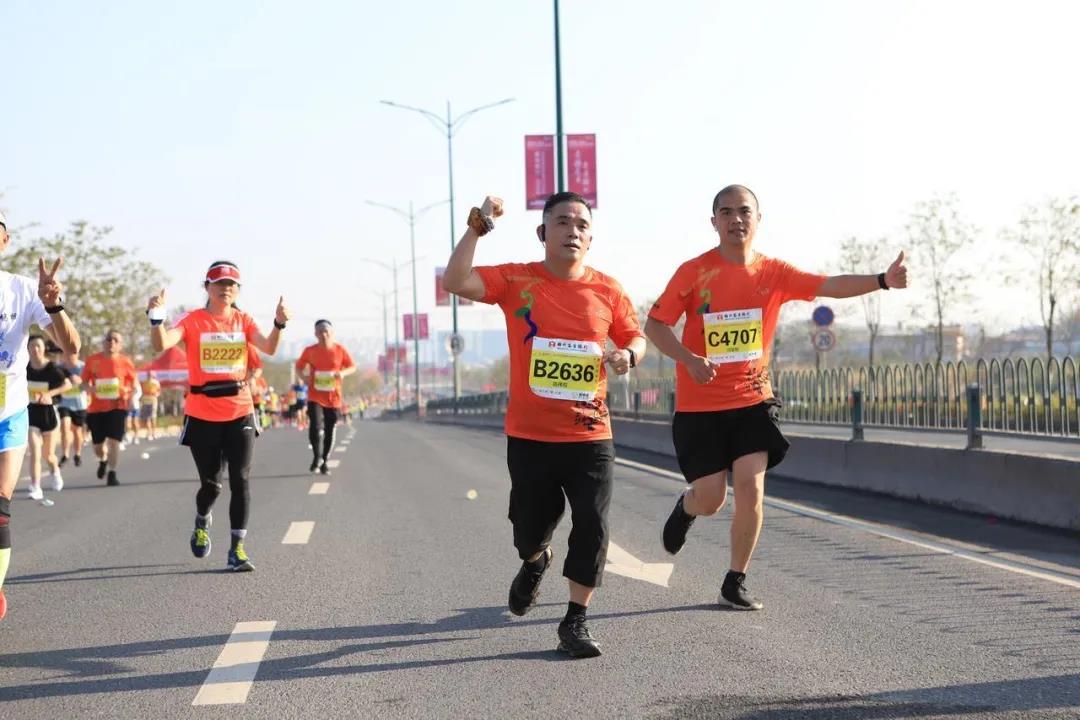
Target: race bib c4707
[565,369]
[223,353]
[107,388]
[325,381]
[733,335]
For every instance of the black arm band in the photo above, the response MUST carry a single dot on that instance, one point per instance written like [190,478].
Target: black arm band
[881,281]
[54,309]
[156,322]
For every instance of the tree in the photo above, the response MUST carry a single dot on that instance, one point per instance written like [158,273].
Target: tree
[859,256]
[105,286]
[1050,234]
[939,237]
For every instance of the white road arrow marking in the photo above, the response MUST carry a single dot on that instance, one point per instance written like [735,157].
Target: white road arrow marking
[623,563]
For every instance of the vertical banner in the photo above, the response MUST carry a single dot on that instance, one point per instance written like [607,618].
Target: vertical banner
[442,298]
[407,326]
[581,166]
[539,170]
[422,326]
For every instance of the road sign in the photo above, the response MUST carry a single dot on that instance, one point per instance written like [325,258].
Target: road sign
[823,339]
[455,344]
[823,316]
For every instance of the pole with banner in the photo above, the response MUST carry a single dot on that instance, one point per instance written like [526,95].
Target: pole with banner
[581,166]
[539,164]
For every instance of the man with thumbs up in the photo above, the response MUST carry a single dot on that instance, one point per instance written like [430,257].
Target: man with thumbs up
[727,419]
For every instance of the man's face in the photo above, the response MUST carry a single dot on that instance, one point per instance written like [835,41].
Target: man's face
[736,218]
[37,350]
[324,334]
[567,232]
[112,343]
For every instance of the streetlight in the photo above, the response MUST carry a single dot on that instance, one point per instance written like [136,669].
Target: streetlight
[558,102]
[393,268]
[450,125]
[411,216]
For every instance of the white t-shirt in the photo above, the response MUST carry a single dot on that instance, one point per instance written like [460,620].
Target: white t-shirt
[20,308]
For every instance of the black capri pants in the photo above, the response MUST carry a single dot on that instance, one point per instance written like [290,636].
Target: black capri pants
[543,476]
[214,446]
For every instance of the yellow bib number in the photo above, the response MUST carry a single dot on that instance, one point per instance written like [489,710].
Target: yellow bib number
[325,381]
[564,369]
[107,388]
[35,387]
[74,392]
[733,335]
[223,353]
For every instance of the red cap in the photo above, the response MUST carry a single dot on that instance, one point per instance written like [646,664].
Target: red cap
[223,271]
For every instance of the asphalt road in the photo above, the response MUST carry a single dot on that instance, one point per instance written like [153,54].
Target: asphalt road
[395,606]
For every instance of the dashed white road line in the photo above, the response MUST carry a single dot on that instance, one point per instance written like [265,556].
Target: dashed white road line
[230,680]
[890,533]
[341,448]
[299,532]
[319,488]
[333,464]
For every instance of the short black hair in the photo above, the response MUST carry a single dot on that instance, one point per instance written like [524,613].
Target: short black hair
[321,321]
[565,196]
[34,337]
[731,189]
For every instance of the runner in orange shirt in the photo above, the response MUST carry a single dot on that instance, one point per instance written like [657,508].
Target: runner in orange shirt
[148,409]
[727,419]
[110,375]
[324,364]
[560,314]
[219,419]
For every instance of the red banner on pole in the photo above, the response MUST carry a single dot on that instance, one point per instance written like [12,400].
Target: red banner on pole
[581,166]
[407,326]
[539,170]
[442,298]
[423,326]
[415,325]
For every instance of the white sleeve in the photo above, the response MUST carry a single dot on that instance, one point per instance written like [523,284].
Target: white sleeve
[35,310]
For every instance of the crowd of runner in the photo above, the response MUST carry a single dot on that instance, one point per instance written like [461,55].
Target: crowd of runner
[568,326]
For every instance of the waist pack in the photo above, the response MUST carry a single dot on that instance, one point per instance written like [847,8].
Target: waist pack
[219,388]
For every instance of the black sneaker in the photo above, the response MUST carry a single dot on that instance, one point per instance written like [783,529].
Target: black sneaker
[314,465]
[102,466]
[676,527]
[77,459]
[526,585]
[324,469]
[112,479]
[63,460]
[733,594]
[575,640]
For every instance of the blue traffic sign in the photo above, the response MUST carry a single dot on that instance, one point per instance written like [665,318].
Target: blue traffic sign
[823,316]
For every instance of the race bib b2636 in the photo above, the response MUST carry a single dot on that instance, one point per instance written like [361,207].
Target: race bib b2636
[564,369]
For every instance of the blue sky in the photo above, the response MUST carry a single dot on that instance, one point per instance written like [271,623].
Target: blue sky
[253,131]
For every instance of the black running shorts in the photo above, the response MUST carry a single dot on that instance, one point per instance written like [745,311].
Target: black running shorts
[43,417]
[709,442]
[106,425]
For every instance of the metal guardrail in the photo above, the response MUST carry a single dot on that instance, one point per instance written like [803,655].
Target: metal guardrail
[1021,397]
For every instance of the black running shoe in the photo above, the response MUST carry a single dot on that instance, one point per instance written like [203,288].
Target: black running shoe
[314,465]
[676,527]
[733,594]
[526,585]
[575,640]
[63,460]
[112,479]
[101,468]
[77,460]
[324,468]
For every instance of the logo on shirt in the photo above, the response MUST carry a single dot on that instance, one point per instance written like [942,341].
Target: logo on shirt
[525,312]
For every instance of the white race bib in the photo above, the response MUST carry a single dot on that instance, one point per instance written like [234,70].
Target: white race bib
[107,388]
[35,387]
[325,381]
[733,335]
[565,369]
[223,353]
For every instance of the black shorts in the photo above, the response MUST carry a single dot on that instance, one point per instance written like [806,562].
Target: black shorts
[543,476]
[109,424]
[43,417]
[200,433]
[78,417]
[710,442]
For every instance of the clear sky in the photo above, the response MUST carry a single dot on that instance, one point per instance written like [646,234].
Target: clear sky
[252,131]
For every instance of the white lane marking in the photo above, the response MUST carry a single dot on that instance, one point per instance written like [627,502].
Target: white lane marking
[234,671]
[890,533]
[623,563]
[299,532]
[319,488]
[333,464]
[340,449]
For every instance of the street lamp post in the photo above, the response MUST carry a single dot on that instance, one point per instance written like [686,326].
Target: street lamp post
[385,333]
[411,217]
[558,103]
[450,125]
[393,268]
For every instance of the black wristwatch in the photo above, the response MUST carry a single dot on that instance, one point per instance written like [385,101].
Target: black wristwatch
[54,309]
[279,326]
[881,281]
[633,357]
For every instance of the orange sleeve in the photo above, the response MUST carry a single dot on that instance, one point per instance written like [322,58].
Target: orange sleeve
[798,285]
[346,358]
[624,324]
[302,360]
[88,372]
[251,328]
[672,303]
[495,283]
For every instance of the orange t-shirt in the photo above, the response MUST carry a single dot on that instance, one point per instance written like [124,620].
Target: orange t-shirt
[217,349]
[112,381]
[556,330]
[323,387]
[151,388]
[732,309]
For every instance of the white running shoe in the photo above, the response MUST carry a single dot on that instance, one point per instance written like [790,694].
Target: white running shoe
[123,446]
[57,481]
[36,493]
[136,439]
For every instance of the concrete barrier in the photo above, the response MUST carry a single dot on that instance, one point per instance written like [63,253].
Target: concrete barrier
[1029,488]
